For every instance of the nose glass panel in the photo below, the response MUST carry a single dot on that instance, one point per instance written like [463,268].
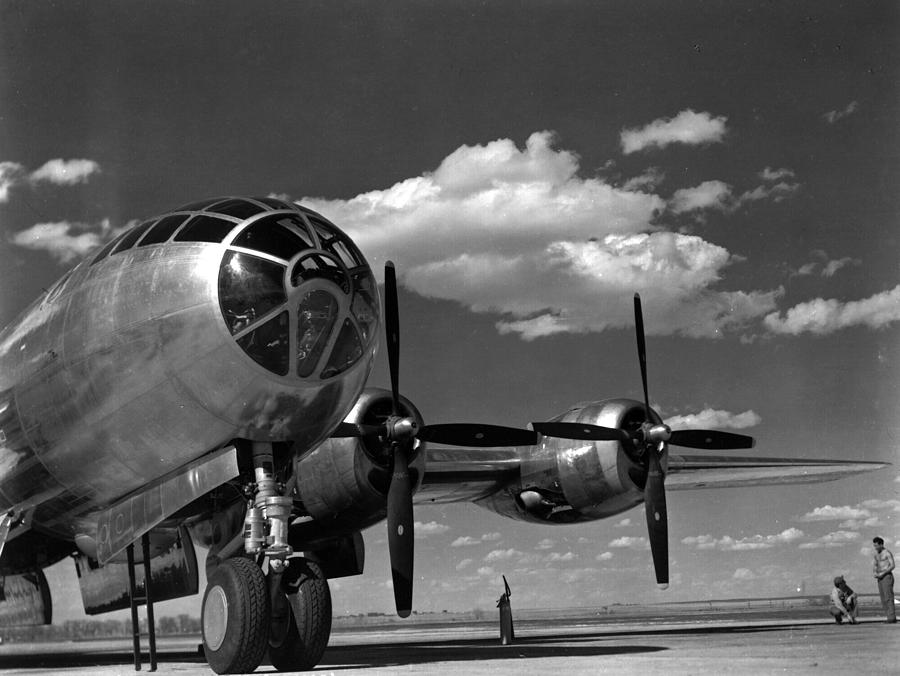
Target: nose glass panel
[249,287]
[269,344]
[317,314]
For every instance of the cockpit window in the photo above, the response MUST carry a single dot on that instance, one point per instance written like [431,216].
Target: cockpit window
[280,235]
[132,236]
[238,208]
[333,242]
[163,229]
[249,287]
[105,250]
[205,229]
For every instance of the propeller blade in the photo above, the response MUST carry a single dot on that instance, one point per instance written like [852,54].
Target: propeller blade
[400,532]
[642,348]
[568,430]
[392,330]
[711,439]
[346,429]
[657,523]
[480,436]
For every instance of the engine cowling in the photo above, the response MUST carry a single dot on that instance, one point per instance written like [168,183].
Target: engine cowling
[570,481]
[343,483]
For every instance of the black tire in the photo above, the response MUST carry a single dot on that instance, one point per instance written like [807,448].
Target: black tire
[235,617]
[302,643]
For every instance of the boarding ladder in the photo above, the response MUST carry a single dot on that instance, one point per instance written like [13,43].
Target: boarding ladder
[136,600]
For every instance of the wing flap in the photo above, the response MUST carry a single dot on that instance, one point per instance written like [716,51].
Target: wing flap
[687,472]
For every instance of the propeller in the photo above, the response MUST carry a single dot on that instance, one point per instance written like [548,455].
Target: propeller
[648,440]
[399,433]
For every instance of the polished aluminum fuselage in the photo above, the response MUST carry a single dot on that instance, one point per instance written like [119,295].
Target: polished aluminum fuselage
[125,371]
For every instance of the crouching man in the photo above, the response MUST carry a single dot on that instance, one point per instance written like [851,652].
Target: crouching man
[843,602]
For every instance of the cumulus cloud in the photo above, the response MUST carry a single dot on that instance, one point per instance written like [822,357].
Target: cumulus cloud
[501,555]
[424,530]
[629,542]
[729,544]
[839,538]
[518,233]
[715,419]
[64,241]
[707,195]
[833,116]
[687,127]
[605,556]
[825,266]
[11,173]
[553,557]
[822,317]
[647,182]
[465,541]
[546,543]
[65,172]
[623,523]
[770,174]
[465,563]
[836,513]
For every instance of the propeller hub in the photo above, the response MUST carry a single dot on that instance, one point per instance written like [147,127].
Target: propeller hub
[657,433]
[401,429]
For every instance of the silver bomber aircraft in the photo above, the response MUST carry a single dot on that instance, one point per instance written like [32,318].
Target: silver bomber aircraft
[202,379]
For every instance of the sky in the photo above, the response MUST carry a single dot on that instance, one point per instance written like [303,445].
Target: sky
[529,166]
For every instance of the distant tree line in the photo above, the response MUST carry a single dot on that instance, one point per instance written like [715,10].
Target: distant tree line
[79,630]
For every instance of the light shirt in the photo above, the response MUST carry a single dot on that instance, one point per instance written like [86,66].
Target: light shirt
[839,598]
[884,562]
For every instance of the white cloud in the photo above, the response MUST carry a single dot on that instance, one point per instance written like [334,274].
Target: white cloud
[65,172]
[839,538]
[605,556]
[776,192]
[64,241]
[464,564]
[465,541]
[546,543]
[829,267]
[518,233]
[707,195]
[423,530]
[11,173]
[501,555]
[875,503]
[715,419]
[744,574]
[623,523]
[829,513]
[687,127]
[822,317]
[833,116]
[629,542]
[491,537]
[769,174]
[730,544]
[646,182]
[556,556]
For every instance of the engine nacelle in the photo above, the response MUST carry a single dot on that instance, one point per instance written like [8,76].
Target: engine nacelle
[343,483]
[571,481]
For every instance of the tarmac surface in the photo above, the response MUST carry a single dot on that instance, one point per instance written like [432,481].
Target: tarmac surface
[732,646]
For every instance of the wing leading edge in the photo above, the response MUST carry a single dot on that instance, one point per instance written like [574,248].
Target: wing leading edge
[686,472]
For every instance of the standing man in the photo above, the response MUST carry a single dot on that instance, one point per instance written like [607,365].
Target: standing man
[883,572]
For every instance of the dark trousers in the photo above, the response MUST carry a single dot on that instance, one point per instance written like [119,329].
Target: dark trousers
[886,590]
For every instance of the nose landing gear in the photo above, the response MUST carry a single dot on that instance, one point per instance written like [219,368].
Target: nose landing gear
[246,611]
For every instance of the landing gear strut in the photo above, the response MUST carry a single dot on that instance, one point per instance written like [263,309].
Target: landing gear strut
[246,612]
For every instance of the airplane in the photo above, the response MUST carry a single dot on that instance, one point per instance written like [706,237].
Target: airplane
[202,379]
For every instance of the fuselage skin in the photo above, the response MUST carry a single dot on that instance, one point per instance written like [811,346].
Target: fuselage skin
[126,370]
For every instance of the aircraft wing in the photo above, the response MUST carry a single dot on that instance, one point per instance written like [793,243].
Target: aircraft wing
[464,474]
[723,471]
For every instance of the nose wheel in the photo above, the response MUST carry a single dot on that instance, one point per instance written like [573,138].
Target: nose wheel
[235,617]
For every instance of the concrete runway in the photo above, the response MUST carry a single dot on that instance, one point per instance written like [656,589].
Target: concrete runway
[742,647]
